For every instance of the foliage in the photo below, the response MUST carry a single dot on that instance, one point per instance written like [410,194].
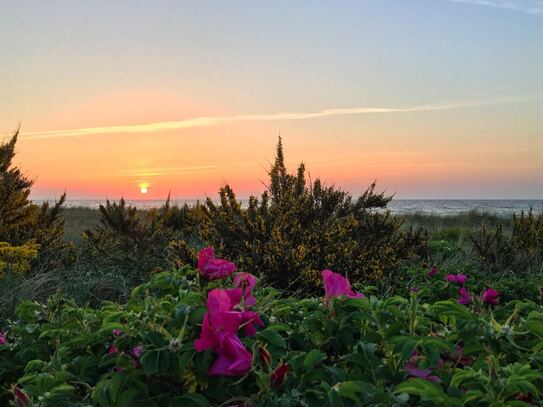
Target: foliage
[134,244]
[16,258]
[25,224]
[518,252]
[352,351]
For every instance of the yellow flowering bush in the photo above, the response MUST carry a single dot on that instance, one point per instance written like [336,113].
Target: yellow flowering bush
[16,258]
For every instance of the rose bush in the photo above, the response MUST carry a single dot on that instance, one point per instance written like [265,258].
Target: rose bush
[186,340]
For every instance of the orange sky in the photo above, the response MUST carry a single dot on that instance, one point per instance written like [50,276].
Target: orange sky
[433,99]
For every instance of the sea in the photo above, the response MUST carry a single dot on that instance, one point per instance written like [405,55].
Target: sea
[443,207]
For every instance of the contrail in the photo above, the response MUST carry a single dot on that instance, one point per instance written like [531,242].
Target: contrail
[533,7]
[206,121]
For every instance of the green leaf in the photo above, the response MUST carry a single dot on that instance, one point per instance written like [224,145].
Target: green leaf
[190,400]
[534,323]
[149,360]
[312,358]
[426,390]
[451,308]
[349,389]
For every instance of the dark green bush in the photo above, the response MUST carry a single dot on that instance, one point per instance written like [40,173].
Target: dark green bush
[516,253]
[298,228]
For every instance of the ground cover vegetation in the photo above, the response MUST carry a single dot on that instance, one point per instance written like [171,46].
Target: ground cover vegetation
[116,306]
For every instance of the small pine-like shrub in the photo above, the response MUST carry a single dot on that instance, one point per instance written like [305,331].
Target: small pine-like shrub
[297,228]
[23,223]
[515,253]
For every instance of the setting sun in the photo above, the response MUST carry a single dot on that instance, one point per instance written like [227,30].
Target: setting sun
[144,188]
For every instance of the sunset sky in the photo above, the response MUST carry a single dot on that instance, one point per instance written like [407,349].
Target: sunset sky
[431,98]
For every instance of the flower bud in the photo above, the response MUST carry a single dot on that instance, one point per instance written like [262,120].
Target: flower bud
[277,377]
[265,357]
[20,398]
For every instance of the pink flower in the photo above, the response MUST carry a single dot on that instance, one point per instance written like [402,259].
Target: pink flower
[464,296]
[249,319]
[413,369]
[234,359]
[277,377]
[216,329]
[221,300]
[459,279]
[246,282]
[336,285]
[432,272]
[137,351]
[426,374]
[212,268]
[490,296]
[117,332]
[112,349]
[219,333]
[3,339]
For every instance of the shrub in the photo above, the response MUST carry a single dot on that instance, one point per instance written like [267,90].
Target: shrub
[135,243]
[25,224]
[298,228]
[518,252]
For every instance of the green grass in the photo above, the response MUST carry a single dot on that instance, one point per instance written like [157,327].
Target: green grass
[441,227]
[77,220]
[455,224]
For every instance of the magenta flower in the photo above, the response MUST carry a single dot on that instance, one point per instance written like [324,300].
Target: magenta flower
[220,335]
[212,268]
[137,351]
[249,319]
[3,339]
[220,301]
[335,285]
[459,279]
[117,332]
[223,300]
[234,359]
[246,282]
[414,289]
[412,368]
[432,272]
[277,377]
[219,332]
[490,296]
[464,296]
[426,374]
[216,328]
[112,349]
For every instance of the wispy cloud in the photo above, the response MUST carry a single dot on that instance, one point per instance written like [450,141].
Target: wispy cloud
[217,120]
[155,172]
[533,7]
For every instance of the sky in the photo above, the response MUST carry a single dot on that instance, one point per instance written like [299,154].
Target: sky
[430,98]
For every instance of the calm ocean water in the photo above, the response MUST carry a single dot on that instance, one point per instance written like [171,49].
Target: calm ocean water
[424,206]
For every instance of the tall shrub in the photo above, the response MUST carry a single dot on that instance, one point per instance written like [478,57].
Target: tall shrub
[298,228]
[23,223]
